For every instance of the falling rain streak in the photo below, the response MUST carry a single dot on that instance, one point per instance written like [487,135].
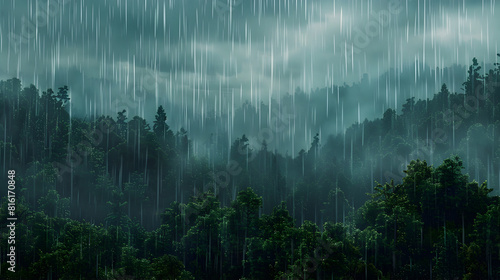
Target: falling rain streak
[173,108]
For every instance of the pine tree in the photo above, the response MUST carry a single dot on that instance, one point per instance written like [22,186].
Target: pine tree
[474,79]
[120,122]
[62,95]
[160,126]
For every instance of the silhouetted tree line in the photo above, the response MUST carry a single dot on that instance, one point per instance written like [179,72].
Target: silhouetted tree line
[114,198]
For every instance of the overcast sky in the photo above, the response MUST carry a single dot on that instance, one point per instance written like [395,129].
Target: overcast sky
[217,52]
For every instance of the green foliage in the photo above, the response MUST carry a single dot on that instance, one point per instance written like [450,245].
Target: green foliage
[426,219]
[482,256]
[54,206]
[266,215]
[168,267]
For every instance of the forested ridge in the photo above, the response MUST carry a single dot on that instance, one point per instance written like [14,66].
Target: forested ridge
[118,197]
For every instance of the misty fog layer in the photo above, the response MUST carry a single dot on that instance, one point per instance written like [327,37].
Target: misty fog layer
[206,59]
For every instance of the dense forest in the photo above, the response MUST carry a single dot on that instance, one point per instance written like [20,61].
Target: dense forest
[118,197]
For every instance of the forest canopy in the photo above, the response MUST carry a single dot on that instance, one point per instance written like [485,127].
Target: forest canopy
[118,197]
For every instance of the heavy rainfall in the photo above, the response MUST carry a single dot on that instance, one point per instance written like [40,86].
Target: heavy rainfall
[249,139]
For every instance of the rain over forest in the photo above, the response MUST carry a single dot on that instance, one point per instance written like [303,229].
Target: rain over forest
[249,139]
